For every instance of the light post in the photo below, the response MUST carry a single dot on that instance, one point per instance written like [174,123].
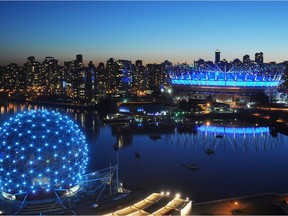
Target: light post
[117,167]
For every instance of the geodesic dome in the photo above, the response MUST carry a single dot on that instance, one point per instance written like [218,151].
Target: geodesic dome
[41,150]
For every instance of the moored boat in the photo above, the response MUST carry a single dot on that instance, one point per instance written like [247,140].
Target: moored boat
[219,136]
[209,151]
[191,166]
[155,136]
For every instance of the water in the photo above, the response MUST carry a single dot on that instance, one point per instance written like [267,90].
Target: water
[247,160]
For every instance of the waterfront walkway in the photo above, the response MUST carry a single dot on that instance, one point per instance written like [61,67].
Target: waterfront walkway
[153,204]
[262,204]
[144,203]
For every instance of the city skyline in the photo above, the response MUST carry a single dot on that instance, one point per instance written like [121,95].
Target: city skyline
[150,31]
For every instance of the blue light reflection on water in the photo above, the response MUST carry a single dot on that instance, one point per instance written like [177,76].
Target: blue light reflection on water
[243,163]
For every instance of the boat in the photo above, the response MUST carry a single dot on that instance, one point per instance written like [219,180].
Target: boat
[209,151]
[155,136]
[184,128]
[137,155]
[191,166]
[187,128]
[219,136]
[117,118]
[115,147]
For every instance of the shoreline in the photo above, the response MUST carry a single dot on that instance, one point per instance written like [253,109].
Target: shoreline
[52,104]
[266,203]
[264,116]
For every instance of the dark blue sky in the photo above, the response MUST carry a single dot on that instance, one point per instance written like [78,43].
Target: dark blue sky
[151,31]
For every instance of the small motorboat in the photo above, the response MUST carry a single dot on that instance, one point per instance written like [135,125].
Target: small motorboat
[191,166]
[219,136]
[155,136]
[137,155]
[209,151]
[115,147]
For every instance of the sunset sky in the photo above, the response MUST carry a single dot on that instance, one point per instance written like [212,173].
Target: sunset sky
[147,30]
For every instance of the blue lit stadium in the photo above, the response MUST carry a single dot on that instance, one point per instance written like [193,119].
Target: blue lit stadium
[231,76]
[226,78]
[41,151]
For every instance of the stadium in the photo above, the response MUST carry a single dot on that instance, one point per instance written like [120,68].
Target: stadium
[225,81]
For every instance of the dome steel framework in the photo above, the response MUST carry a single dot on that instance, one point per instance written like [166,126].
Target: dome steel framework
[41,150]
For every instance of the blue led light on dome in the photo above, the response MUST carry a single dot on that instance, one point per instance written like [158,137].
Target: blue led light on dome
[32,159]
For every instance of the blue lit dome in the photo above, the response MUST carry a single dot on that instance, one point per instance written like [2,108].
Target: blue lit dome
[41,150]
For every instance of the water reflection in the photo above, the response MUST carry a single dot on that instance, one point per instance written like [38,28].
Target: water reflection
[237,137]
[10,108]
[244,138]
[256,154]
[253,138]
[123,134]
[86,119]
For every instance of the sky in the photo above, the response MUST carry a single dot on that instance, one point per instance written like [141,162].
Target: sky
[152,31]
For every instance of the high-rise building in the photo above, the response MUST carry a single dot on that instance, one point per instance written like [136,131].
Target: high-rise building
[217,56]
[111,76]
[199,62]
[11,76]
[68,79]
[157,76]
[236,62]
[91,83]
[2,72]
[139,77]
[165,80]
[101,81]
[52,76]
[154,77]
[246,59]
[79,58]
[79,82]
[259,58]
[119,81]
[124,77]
[34,73]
